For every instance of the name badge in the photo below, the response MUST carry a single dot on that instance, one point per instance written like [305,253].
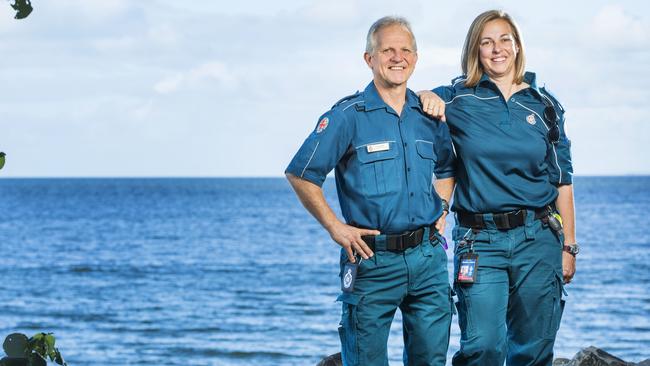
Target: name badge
[378,147]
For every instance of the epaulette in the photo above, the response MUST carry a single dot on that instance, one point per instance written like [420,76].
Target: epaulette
[550,95]
[346,98]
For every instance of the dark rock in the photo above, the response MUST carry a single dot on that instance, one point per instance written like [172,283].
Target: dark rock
[13,361]
[331,360]
[592,356]
[15,345]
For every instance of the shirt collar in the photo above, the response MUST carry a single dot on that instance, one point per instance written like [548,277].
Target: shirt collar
[530,78]
[413,101]
[372,99]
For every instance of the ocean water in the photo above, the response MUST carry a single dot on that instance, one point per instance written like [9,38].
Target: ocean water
[235,271]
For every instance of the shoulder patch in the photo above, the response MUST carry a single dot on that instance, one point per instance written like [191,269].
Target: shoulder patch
[322,125]
[347,98]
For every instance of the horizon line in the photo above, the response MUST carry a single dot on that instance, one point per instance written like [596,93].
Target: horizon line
[259,176]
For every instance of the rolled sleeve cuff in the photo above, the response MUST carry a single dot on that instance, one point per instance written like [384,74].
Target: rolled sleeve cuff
[566,179]
[306,175]
[445,174]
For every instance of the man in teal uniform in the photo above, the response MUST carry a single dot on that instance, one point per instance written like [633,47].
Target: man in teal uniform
[385,153]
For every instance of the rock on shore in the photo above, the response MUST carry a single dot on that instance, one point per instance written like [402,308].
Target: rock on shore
[590,356]
[593,356]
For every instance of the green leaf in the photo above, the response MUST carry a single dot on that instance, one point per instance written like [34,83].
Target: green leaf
[49,342]
[16,345]
[58,358]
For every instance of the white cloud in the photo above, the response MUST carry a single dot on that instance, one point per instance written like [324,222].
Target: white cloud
[114,44]
[164,35]
[215,71]
[169,84]
[94,10]
[615,27]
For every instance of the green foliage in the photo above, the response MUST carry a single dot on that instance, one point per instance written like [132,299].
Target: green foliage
[23,8]
[34,351]
[2,159]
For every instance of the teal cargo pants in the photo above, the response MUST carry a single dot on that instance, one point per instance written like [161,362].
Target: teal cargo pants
[416,282]
[513,310]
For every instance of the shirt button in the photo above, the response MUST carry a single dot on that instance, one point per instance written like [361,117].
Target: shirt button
[411,194]
[408,169]
[412,220]
[512,100]
[405,144]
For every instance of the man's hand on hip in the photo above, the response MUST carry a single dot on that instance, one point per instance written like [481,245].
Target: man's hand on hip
[349,237]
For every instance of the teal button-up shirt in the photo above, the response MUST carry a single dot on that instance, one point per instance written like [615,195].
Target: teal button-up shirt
[505,159]
[384,162]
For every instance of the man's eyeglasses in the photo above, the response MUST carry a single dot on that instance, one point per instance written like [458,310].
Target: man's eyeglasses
[553,122]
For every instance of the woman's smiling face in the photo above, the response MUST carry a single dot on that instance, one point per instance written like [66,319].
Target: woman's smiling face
[498,49]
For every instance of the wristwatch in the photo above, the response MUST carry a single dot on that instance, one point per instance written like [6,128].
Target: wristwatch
[572,249]
[445,205]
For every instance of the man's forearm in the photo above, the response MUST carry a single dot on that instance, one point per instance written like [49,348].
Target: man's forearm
[445,187]
[314,201]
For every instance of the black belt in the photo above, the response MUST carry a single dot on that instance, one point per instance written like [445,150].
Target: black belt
[503,221]
[398,242]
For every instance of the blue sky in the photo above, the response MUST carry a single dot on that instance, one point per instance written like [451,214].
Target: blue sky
[215,88]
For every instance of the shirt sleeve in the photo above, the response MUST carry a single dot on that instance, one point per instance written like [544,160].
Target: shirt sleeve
[322,149]
[445,92]
[560,166]
[446,162]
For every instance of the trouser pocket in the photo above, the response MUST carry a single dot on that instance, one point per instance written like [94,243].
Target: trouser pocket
[348,328]
[464,307]
[556,308]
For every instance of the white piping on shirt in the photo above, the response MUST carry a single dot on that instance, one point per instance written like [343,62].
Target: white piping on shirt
[311,157]
[469,95]
[458,81]
[549,99]
[540,117]
[557,163]
[351,104]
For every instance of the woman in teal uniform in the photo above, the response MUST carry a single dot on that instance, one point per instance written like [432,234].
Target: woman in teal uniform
[513,190]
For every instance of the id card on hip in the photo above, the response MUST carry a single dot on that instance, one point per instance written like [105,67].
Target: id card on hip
[468,268]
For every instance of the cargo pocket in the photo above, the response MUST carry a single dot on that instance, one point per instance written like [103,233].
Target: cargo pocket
[464,307]
[348,328]
[556,308]
[379,171]
[452,293]
[428,161]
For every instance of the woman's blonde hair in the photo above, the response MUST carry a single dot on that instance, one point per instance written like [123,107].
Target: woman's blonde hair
[470,61]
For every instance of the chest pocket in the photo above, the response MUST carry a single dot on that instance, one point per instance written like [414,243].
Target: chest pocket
[426,164]
[379,168]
